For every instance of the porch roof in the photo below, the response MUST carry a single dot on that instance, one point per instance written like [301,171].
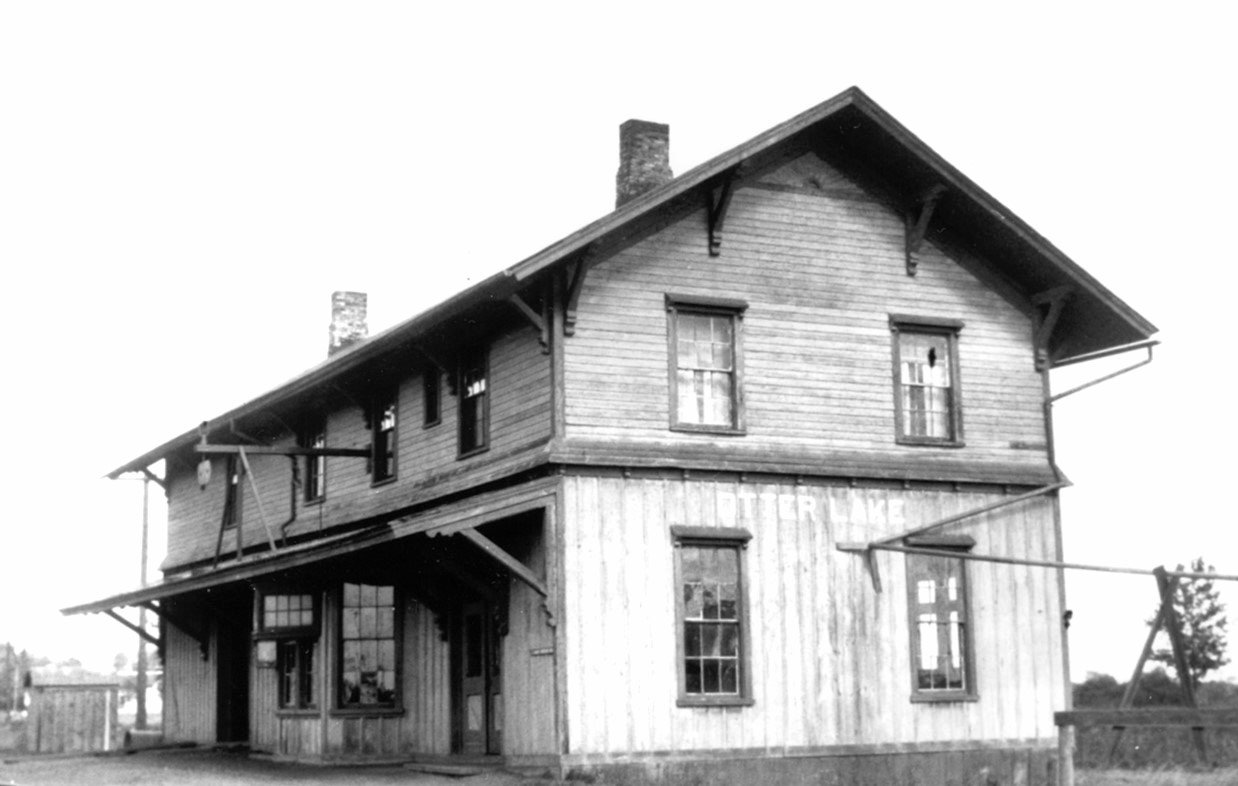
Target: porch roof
[449,519]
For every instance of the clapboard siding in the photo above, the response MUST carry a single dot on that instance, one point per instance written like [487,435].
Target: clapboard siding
[519,419]
[830,662]
[821,274]
[189,689]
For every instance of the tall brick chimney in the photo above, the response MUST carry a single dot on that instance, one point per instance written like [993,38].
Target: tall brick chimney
[347,320]
[644,159]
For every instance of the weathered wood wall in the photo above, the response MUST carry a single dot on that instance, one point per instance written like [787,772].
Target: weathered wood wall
[189,686]
[73,719]
[426,461]
[830,656]
[821,267]
[423,726]
[529,709]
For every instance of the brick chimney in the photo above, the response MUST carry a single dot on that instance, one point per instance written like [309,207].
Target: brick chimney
[347,320]
[644,159]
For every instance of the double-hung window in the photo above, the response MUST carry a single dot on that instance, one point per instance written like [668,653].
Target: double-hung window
[926,381]
[706,364]
[940,621]
[234,494]
[712,620]
[474,398]
[288,624]
[431,397]
[383,438]
[314,435]
[368,653]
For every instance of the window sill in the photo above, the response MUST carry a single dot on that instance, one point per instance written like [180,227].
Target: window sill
[383,482]
[315,501]
[928,442]
[367,712]
[722,431]
[472,452]
[942,698]
[714,701]
[300,712]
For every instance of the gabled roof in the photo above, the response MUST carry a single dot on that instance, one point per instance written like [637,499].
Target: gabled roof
[851,132]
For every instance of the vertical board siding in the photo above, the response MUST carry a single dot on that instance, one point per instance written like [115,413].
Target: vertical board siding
[829,660]
[519,417]
[427,684]
[821,273]
[528,652]
[73,719]
[189,689]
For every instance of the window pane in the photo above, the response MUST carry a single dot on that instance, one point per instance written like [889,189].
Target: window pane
[692,676]
[693,601]
[692,639]
[709,640]
[730,677]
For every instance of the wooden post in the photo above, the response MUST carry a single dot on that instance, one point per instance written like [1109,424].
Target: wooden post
[1066,756]
[1173,625]
[140,684]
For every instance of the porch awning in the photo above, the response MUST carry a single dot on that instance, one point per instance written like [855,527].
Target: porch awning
[444,520]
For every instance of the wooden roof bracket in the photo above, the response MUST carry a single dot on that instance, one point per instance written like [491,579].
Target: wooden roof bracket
[574,273]
[438,363]
[143,634]
[1047,308]
[718,202]
[917,221]
[538,321]
[515,566]
[163,484]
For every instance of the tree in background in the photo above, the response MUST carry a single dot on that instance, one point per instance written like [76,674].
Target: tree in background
[1201,615]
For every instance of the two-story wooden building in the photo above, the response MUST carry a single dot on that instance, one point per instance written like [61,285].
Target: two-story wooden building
[694,491]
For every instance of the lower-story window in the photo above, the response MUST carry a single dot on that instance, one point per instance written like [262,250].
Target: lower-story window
[295,663]
[368,653]
[712,620]
[941,651]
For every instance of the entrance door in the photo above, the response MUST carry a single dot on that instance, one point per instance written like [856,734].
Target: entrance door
[232,684]
[480,691]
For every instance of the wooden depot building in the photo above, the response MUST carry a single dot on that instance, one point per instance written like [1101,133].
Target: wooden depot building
[697,491]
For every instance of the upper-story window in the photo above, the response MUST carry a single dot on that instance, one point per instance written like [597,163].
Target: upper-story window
[431,397]
[474,397]
[926,380]
[383,438]
[706,364]
[314,435]
[234,475]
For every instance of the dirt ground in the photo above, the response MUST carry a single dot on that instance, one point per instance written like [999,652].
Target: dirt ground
[204,767]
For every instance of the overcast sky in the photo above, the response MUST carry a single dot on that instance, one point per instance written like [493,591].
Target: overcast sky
[182,186]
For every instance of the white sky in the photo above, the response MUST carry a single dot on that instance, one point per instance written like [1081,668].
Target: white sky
[182,185]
